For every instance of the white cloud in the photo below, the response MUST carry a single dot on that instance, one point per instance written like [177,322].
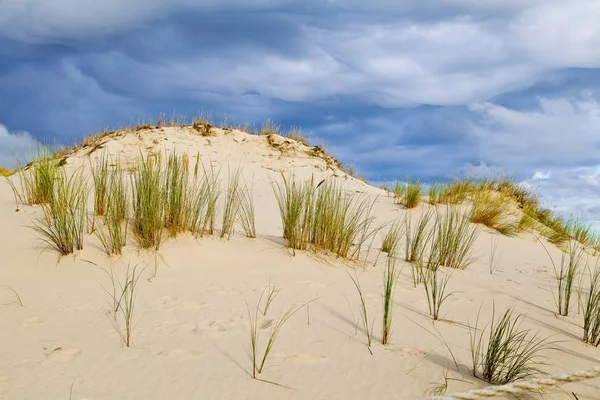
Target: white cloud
[16,144]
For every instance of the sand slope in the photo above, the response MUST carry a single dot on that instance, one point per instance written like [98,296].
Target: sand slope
[191,337]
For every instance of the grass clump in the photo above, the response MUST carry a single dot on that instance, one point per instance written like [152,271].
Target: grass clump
[65,215]
[116,219]
[246,210]
[417,240]
[37,179]
[591,313]
[258,362]
[100,173]
[566,274]
[435,192]
[453,240]
[392,238]
[297,135]
[123,299]
[6,171]
[412,195]
[489,209]
[510,354]
[390,278]
[176,195]
[435,285]
[323,216]
[232,204]
[148,208]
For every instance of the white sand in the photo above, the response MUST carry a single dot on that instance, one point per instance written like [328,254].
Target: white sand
[191,336]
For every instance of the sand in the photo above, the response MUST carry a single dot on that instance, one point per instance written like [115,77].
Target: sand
[191,336]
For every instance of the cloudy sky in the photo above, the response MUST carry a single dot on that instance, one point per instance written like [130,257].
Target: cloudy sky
[397,88]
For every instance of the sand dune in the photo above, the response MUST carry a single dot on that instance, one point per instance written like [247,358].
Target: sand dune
[191,335]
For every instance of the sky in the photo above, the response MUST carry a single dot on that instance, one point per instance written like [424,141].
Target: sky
[399,89]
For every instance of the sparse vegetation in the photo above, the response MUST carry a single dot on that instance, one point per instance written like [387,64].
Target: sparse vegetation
[412,195]
[417,240]
[392,238]
[435,283]
[489,209]
[510,353]
[591,310]
[116,220]
[148,202]
[494,257]
[232,204]
[323,216]
[63,225]
[390,278]
[566,274]
[363,311]
[246,210]
[100,173]
[36,179]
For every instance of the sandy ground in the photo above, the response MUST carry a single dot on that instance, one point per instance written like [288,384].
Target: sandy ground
[191,338]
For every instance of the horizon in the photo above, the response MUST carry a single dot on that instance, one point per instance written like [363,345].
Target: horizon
[396,90]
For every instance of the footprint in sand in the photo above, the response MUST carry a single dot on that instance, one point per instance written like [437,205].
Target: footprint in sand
[179,353]
[173,326]
[305,359]
[213,330]
[33,321]
[61,355]
[406,351]
[170,302]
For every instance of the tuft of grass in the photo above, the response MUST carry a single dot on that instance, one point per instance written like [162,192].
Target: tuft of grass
[417,240]
[63,225]
[5,171]
[489,209]
[176,194]
[211,194]
[36,179]
[323,216]
[297,135]
[591,313]
[494,257]
[435,192]
[115,237]
[123,299]
[412,195]
[148,206]
[510,354]
[232,204]
[270,128]
[565,275]
[392,238]
[258,362]
[435,285]
[453,240]
[100,173]
[272,293]
[456,191]
[246,210]
[390,278]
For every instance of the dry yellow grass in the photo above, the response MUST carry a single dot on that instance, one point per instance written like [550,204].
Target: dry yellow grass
[5,171]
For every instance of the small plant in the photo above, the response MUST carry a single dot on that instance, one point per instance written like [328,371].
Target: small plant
[148,203]
[272,292]
[392,238]
[100,172]
[232,205]
[37,178]
[591,310]
[435,192]
[412,196]
[494,257]
[510,353]
[246,211]
[270,128]
[570,263]
[115,237]
[488,209]
[63,224]
[123,299]
[258,363]
[417,240]
[435,290]
[176,194]
[453,240]
[297,135]
[363,311]
[390,277]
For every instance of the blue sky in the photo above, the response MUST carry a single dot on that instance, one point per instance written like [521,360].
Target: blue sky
[425,89]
